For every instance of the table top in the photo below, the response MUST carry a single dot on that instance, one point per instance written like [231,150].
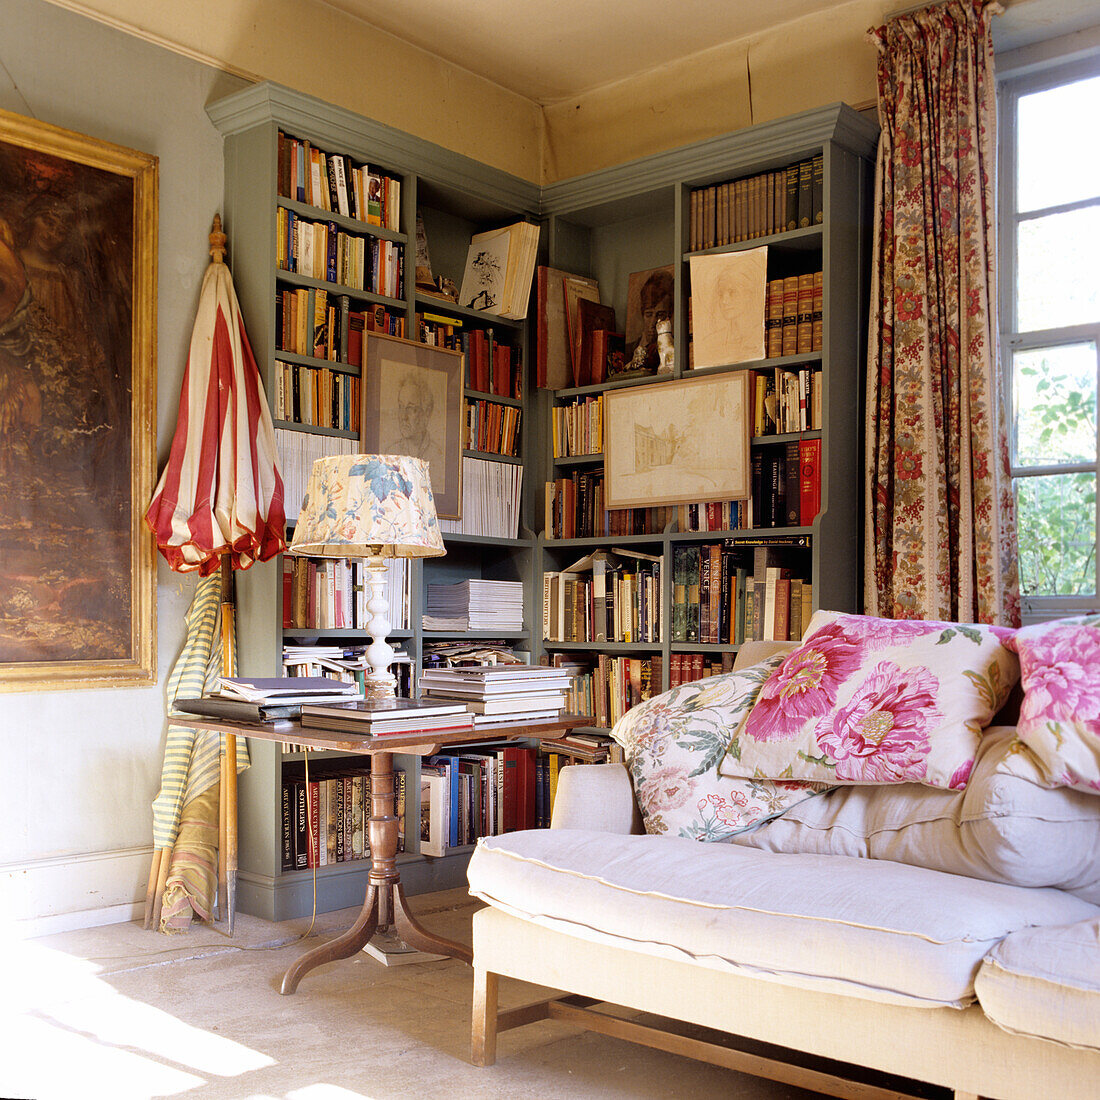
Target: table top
[413,742]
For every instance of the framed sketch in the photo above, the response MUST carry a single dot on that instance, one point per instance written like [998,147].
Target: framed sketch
[729,291]
[412,405]
[677,442]
[78,247]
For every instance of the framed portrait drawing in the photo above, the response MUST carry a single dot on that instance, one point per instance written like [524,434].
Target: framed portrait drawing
[412,405]
[677,442]
[78,247]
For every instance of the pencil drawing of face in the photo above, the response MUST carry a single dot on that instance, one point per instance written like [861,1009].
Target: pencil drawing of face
[413,422]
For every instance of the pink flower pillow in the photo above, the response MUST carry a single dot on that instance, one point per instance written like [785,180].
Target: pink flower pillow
[866,700]
[1060,715]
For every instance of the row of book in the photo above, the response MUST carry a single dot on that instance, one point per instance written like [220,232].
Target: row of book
[316,396]
[324,819]
[310,321]
[786,483]
[492,427]
[297,452]
[573,505]
[344,663]
[785,401]
[491,496]
[607,596]
[757,206]
[492,366]
[795,308]
[577,427]
[333,593]
[320,250]
[334,182]
[714,515]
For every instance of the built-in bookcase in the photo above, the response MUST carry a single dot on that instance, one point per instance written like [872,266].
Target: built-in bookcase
[637,217]
[299,313]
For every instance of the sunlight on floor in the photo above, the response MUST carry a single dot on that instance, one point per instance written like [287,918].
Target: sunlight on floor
[68,1033]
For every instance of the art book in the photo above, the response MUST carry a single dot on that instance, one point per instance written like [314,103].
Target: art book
[729,295]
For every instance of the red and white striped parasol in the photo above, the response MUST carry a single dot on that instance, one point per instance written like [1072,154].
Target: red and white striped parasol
[218,505]
[221,493]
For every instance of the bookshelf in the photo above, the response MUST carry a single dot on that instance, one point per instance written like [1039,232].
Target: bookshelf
[287,295]
[606,225]
[641,216]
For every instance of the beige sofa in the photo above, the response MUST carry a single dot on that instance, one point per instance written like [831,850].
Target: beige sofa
[812,934]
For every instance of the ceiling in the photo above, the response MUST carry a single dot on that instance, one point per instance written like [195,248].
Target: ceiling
[553,50]
[549,52]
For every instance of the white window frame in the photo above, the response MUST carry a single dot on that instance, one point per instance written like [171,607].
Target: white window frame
[1010,89]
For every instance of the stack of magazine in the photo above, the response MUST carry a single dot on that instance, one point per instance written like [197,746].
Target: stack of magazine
[500,693]
[268,699]
[475,604]
[387,717]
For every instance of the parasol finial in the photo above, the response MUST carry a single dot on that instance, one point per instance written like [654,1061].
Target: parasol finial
[217,241]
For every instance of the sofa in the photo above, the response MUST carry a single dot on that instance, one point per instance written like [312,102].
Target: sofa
[931,913]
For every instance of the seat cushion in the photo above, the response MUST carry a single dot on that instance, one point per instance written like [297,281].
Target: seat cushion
[1046,982]
[867,928]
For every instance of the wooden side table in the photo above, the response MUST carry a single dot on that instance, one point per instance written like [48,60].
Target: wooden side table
[385,896]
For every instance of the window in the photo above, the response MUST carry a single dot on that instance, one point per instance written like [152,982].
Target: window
[1050,321]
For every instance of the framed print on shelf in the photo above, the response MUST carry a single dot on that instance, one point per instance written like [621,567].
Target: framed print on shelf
[78,290]
[677,442]
[412,405]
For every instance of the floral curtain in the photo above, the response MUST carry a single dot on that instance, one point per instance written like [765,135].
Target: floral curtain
[941,528]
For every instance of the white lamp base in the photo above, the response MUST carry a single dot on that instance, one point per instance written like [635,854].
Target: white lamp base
[380,682]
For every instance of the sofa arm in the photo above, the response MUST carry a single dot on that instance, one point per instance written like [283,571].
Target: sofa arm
[597,797]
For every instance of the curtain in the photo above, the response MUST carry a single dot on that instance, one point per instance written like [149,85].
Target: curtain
[940,525]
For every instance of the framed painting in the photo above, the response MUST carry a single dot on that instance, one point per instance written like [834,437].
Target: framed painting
[78,247]
[677,442]
[412,405]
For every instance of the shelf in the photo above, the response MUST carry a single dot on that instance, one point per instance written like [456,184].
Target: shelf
[475,635]
[603,540]
[808,239]
[294,279]
[580,460]
[350,225]
[789,437]
[492,456]
[486,540]
[311,361]
[336,633]
[605,647]
[313,429]
[750,536]
[499,399]
[425,303]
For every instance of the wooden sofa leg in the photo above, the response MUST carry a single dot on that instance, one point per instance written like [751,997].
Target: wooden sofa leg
[483,1025]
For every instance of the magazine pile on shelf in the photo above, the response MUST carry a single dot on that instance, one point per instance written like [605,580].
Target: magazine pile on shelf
[490,500]
[475,604]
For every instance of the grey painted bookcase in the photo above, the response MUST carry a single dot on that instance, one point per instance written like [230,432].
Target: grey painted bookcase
[607,225]
[457,197]
[636,217]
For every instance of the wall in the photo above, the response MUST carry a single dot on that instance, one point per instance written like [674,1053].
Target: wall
[81,768]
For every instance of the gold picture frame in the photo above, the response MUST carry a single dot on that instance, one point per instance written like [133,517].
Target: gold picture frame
[412,405]
[78,291]
[677,442]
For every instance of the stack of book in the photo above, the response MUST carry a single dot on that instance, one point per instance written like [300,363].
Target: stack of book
[501,693]
[475,604]
[499,266]
[269,699]
[387,717]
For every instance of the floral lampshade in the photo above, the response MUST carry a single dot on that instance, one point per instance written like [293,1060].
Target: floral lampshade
[368,505]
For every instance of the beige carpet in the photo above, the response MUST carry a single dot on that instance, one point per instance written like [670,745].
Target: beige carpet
[123,1013]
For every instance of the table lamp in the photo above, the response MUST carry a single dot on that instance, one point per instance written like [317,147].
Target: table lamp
[373,507]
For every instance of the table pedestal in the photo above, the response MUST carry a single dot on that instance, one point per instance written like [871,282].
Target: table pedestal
[385,895]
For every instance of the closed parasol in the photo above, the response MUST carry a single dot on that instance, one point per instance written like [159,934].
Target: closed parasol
[218,507]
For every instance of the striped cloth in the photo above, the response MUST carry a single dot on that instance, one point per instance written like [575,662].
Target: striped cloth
[192,757]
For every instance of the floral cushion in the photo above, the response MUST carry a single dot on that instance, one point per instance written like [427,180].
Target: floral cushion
[672,745]
[867,700]
[1060,713]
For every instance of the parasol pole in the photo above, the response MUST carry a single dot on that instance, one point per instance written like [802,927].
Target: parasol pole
[227,801]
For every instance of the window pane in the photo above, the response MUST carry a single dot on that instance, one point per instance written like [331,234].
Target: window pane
[1058,280]
[1057,531]
[1054,405]
[1058,162]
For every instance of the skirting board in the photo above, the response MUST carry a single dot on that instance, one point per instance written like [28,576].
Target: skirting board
[63,893]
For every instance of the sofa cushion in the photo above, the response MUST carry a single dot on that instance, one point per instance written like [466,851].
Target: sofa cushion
[867,700]
[865,928]
[1060,713]
[1007,826]
[672,744]
[1046,982]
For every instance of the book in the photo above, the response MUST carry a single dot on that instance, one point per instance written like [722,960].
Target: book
[499,267]
[553,364]
[287,689]
[434,809]
[431,727]
[236,709]
[591,317]
[575,291]
[375,712]
[520,706]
